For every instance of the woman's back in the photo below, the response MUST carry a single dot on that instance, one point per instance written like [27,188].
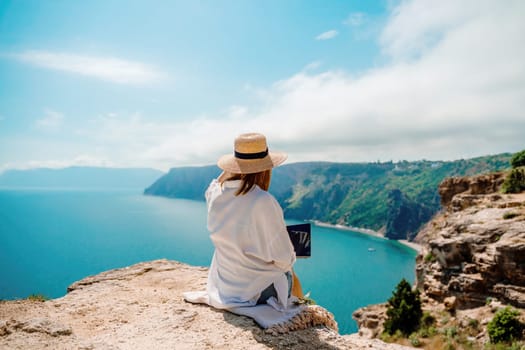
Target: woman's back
[252,248]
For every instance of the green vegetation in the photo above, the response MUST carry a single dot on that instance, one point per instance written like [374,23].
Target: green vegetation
[505,326]
[414,340]
[505,346]
[427,327]
[430,257]
[37,297]
[404,310]
[518,159]
[515,181]
[395,197]
[427,320]
[473,323]
[510,215]
[442,331]
[305,300]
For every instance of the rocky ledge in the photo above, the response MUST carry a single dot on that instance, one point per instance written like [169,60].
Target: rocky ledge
[141,307]
[472,260]
[475,250]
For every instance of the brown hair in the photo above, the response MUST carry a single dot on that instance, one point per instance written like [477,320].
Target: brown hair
[248,181]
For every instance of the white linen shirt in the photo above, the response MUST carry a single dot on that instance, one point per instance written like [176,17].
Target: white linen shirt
[252,247]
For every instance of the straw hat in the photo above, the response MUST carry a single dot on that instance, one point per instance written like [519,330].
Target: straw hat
[250,155]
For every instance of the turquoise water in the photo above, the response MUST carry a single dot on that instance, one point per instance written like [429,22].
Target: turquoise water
[50,238]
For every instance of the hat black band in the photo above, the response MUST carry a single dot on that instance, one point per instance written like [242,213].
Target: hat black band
[251,155]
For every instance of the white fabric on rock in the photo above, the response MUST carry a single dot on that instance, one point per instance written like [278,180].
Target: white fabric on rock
[266,315]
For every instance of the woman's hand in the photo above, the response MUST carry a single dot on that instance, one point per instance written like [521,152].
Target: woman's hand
[297,289]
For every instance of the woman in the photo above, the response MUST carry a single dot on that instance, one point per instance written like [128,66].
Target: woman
[253,255]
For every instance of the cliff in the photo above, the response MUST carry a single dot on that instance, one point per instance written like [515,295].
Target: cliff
[476,249]
[472,260]
[394,198]
[141,307]
[184,182]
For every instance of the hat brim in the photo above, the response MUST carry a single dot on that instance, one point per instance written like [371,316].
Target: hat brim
[235,165]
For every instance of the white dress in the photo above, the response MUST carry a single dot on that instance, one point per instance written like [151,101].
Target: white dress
[252,247]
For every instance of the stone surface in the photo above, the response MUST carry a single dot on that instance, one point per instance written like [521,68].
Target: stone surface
[141,307]
[475,185]
[472,258]
[370,320]
[450,303]
[475,249]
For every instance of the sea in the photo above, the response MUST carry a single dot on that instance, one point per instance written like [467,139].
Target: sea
[52,237]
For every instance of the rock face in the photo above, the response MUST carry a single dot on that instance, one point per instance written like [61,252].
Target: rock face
[472,259]
[476,249]
[141,307]
[405,216]
[475,185]
[370,320]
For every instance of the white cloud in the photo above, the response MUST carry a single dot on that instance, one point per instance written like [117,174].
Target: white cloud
[111,69]
[327,35]
[355,19]
[29,152]
[416,26]
[79,160]
[51,121]
[459,94]
[134,140]
[238,112]
[312,66]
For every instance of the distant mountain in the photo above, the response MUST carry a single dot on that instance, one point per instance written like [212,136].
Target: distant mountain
[87,177]
[184,182]
[394,198]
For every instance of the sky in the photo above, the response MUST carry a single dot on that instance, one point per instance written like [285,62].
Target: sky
[164,84]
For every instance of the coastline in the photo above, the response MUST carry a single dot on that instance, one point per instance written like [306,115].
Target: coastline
[415,246]
[412,245]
